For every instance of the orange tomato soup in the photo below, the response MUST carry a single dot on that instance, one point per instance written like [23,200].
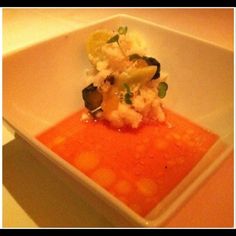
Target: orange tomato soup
[140,167]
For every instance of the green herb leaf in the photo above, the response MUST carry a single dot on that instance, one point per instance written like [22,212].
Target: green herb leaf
[162,88]
[134,57]
[123,30]
[128,98]
[128,95]
[114,39]
[126,86]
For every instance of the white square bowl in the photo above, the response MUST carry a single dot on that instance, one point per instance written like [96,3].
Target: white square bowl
[42,85]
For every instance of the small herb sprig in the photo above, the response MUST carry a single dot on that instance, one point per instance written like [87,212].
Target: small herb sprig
[128,94]
[115,39]
[122,30]
[162,88]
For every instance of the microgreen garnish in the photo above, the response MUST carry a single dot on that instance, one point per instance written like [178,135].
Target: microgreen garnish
[123,30]
[114,39]
[126,86]
[162,88]
[128,94]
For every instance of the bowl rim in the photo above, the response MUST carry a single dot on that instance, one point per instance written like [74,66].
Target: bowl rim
[113,17]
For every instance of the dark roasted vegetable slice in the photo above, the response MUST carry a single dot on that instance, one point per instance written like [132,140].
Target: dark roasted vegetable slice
[134,57]
[92,97]
[110,79]
[152,61]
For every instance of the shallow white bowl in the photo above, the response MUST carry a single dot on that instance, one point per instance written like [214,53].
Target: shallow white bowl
[42,85]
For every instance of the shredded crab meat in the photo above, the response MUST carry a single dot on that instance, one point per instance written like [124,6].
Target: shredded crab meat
[132,79]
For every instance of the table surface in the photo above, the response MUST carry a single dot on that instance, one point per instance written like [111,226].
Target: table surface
[211,206]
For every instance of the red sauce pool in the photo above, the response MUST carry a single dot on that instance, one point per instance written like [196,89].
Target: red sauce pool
[140,167]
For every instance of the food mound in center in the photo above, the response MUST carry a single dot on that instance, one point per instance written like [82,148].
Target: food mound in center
[125,86]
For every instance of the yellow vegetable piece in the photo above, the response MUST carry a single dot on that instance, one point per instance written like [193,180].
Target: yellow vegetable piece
[95,42]
[137,75]
[110,101]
